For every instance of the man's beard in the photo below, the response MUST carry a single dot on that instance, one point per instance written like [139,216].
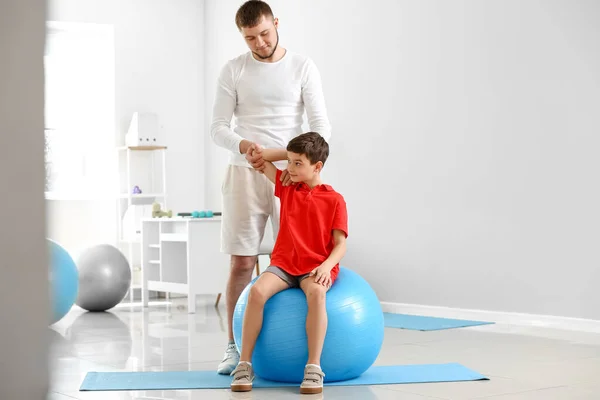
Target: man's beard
[273,52]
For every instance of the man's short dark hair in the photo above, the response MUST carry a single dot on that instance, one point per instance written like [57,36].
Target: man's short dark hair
[251,12]
[312,145]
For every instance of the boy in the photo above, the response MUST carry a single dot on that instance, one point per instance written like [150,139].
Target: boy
[310,244]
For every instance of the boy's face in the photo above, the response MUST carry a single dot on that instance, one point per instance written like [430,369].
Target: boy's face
[300,168]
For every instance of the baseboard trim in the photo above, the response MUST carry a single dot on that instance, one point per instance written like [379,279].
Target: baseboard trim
[508,318]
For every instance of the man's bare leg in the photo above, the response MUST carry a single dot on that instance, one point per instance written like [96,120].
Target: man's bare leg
[240,276]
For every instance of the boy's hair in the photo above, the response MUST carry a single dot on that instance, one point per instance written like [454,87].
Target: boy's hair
[312,145]
[251,12]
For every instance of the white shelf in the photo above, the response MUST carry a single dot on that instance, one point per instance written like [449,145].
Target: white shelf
[173,237]
[132,171]
[141,195]
[141,148]
[83,196]
[190,258]
[168,287]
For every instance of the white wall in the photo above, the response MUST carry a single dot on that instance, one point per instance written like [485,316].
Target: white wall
[24,264]
[465,141]
[159,61]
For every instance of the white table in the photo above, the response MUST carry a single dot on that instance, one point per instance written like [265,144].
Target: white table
[182,255]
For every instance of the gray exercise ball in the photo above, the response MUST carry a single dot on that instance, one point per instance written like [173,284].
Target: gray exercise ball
[104,278]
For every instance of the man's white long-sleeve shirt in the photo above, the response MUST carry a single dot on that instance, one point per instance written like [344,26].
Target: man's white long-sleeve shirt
[268,101]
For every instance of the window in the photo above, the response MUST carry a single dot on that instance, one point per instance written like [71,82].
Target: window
[79,110]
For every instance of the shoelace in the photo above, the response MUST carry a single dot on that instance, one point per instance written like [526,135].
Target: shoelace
[230,352]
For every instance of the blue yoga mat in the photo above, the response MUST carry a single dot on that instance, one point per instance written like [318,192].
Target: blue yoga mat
[180,380]
[421,323]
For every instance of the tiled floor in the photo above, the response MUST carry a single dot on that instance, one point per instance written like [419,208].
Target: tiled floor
[522,363]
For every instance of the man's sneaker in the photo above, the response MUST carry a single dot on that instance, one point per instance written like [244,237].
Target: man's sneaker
[243,375]
[230,360]
[313,380]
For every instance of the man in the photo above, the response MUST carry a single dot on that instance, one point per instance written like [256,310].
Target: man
[267,89]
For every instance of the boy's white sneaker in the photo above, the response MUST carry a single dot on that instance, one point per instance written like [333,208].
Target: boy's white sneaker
[313,380]
[243,375]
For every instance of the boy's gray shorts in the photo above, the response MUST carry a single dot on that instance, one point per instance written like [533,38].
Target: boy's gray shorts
[291,280]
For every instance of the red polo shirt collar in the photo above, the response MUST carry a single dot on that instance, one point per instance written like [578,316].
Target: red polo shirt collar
[304,186]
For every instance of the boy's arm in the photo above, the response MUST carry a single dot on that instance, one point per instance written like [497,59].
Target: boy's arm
[270,171]
[339,249]
[278,155]
[322,273]
[274,154]
[339,233]
[257,156]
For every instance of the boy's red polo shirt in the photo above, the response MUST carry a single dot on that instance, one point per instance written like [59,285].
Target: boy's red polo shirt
[307,220]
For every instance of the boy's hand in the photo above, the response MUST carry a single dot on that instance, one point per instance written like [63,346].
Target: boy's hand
[322,275]
[254,156]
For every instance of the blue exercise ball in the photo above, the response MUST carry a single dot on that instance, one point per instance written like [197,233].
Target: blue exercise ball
[352,343]
[64,281]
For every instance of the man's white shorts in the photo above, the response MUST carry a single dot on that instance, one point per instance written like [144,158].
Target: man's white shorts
[248,202]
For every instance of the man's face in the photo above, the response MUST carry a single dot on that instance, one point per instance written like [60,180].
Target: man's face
[263,38]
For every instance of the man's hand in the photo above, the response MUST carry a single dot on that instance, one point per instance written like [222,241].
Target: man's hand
[322,275]
[286,179]
[244,145]
[254,156]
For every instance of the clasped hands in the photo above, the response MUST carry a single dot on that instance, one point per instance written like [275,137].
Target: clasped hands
[255,157]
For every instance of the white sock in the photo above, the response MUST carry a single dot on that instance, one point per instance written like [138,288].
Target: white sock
[313,365]
[245,362]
